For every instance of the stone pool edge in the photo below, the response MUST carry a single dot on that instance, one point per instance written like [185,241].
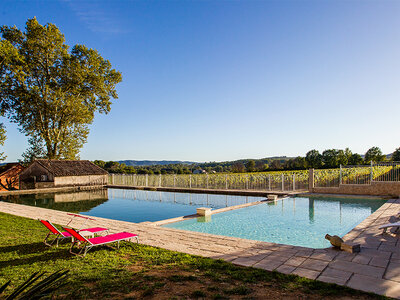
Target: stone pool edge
[375,269]
[216,211]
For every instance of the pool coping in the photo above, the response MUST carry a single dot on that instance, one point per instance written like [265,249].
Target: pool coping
[213,212]
[256,193]
[375,269]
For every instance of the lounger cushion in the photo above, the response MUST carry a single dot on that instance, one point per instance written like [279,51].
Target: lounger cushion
[91,230]
[111,238]
[94,229]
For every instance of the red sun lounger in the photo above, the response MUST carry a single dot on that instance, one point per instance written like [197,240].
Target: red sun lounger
[84,244]
[62,235]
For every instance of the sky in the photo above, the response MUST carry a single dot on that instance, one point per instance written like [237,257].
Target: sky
[224,80]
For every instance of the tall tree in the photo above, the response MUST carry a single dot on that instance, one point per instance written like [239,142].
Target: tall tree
[374,154]
[2,139]
[330,158]
[355,159]
[51,93]
[343,157]
[396,155]
[8,55]
[314,159]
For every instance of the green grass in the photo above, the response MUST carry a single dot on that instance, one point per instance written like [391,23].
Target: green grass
[140,270]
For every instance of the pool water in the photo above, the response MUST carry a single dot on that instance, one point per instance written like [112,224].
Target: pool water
[298,221]
[130,205]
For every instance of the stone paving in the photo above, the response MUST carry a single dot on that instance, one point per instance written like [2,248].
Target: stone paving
[375,269]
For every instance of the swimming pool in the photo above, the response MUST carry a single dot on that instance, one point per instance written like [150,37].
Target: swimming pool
[130,205]
[297,221]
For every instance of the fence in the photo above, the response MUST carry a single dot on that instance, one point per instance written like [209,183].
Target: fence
[359,175]
[268,181]
[273,181]
[209,200]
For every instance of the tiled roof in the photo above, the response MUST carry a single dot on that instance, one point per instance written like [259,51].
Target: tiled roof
[7,167]
[70,167]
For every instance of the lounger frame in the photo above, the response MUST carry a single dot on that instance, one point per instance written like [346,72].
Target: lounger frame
[84,245]
[53,230]
[390,225]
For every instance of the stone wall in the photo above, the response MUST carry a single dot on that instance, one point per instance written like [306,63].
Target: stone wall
[387,188]
[31,178]
[80,180]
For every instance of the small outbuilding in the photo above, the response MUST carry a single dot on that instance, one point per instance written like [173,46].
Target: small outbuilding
[199,171]
[48,173]
[9,176]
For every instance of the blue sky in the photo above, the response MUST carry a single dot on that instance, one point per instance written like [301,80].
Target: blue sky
[224,80]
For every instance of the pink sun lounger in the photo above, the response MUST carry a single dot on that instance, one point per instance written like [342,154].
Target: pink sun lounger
[84,244]
[62,235]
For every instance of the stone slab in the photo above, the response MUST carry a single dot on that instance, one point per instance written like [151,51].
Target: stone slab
[307,273]
[314,264]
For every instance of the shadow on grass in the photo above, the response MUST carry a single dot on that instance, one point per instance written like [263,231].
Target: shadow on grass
[24,248]
[52,256]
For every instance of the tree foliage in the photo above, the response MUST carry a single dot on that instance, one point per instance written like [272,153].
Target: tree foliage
[251,166]
[2,140]
[396,155]
[330,158]
[355,159]
[314,159]
[374,154]
[51,93]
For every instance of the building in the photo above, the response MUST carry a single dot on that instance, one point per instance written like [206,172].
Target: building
[46,173]
[9,176]
[199,171]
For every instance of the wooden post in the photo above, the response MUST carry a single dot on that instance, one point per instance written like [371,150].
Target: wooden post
[190,181]
[147,180]
[226,181]
[283,182]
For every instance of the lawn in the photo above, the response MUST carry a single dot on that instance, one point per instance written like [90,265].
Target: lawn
[138,271]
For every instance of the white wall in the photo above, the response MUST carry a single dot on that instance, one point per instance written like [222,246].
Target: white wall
[80,180]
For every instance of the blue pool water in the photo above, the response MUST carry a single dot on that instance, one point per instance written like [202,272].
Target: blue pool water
[140,206]
[293,221]
[130,205]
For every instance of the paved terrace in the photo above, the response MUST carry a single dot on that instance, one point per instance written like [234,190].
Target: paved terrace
[375,269]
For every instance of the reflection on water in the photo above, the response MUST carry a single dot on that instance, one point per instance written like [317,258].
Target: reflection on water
[208,200]
[131,205]
[81,201]
[298,221]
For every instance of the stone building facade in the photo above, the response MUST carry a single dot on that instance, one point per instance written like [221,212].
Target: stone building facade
[44,173]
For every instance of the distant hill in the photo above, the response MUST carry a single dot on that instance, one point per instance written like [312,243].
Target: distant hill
[140,163]
[144,163]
